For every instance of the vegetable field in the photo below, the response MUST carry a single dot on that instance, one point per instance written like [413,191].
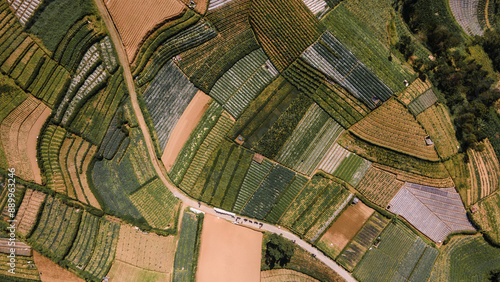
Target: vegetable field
[27,214]
[256,173]
[284,28]
[50,147]
[283,275]
[352,169]
[484,172]
[400,255]
[487,217]
[25,269]
[84,243]
[422,102]
[379,186]
[466,14]
[414,90]
[166,99]
[332,58]
[466,258]
[405,176]
[360,244]
[186,255]
[310,140]
[393,127]
[56,229]
[286,198]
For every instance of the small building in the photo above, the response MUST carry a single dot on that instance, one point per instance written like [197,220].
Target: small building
[240,140]
[375,100]
[355,201]
[474,209]
[258,158]
[428,141]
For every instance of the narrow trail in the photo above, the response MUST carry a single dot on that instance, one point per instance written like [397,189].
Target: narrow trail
[160,170]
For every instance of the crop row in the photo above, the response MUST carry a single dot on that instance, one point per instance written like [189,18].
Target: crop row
[113,138]
[414,90]
[166,99]
[379,186]
[186,254]
[393,127]
[352,169]
[422,102]
[50,81]
[27,214]
[81,250]
[56,229]
[268,192]
[466,14]
[255,175]
[24,8]
[50,146]
[108,54]
[286,198]
[406,176]
[487,217]
[157,204]
[359,245]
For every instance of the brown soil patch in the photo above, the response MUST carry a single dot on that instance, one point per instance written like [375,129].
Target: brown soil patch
[51,272]
[135,18]
[228,252]
[124,272]
[347,225]
[188,121]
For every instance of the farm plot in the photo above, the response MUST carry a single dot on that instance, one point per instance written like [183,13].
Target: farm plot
[351,169]
[287,197]
[166,98]
[19,132]
[135,19]
[316,6]
[485,13]
[437,122]
[146,250]
[405,176]
[228,252]
[28,211]
[113,180]
[466,14]
[399,255]
[56,229]
[24,9]
[268,192]
[414,90]
[336,61]
[204,151]
[196,34]
[393,127]
[484,172]
[285,29]
[379,186]
[359,245]
[94,117]
[242,82]
[50,146]
[122,271]
[205,64]
[18,198]
[466,258]
[104,250]
[422,102]
[81,250]
[256,173]
[487,217]
[283,275]
[219,182]
[186,255]
[434,212]
[359,34]
[310,140]
[345,227]
[25,269]
[157,204]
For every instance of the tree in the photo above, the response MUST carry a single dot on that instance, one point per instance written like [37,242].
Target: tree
[279,251]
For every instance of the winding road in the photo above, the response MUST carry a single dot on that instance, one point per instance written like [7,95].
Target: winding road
[161,171]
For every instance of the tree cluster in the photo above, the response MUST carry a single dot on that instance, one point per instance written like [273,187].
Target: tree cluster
[279,251]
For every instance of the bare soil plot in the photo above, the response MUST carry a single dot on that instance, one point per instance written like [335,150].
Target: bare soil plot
[123,272]
[188,121]
[51,272]
[228,252]
[347,225]
[134,19]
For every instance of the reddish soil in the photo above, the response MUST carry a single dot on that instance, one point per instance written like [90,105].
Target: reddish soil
[51,272]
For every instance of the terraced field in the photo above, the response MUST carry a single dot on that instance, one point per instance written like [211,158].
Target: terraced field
[25,269]
[50,146]
[414,90]
[256,173]
[379,186]
[403,134]
[484,172]
[466,14]
[81,251]
[422,102]
[186,255]
[486,217]
[26,215]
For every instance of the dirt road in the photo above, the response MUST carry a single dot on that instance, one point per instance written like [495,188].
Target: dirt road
[161,170]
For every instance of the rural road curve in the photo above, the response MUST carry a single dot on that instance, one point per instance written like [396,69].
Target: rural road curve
[161,171]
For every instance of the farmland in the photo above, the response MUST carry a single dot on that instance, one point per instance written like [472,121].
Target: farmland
[56,229]
[345,227]
[487,217]
[147,251]
[422,102]
[166,98]
[186,255]
[84,243]
[27,214]
[437,122]
[403,134]
[312,137]
[134,26]
[255,175]
[379,186]
[359,245]
[242,82]
[434,212]
[278,41]
[332,58]
[286,198]
[282,275]
[355,29]
[25,269]
[484,172]
[405,176]
[19,131]
[414,90]
[469,256]
[466,13]
[50,146]
[400,254]
[205,64]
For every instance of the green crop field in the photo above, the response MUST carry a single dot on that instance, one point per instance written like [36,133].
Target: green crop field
[186,256]
[81,250]
[465,259]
